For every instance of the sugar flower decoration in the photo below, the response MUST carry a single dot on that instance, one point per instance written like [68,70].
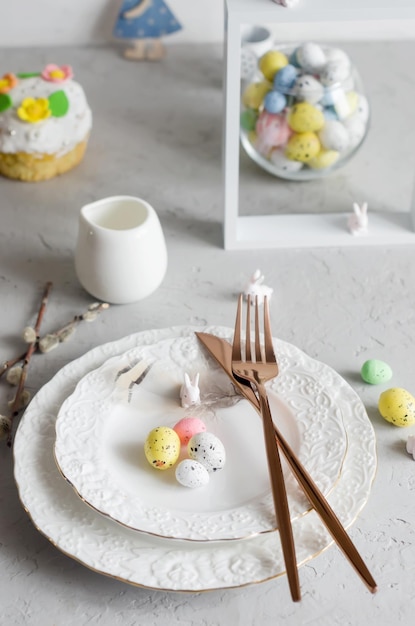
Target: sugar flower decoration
[57,74]
[7,82]
[34,111]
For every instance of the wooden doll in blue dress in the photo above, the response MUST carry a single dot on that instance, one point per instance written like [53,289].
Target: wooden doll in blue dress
[145,22]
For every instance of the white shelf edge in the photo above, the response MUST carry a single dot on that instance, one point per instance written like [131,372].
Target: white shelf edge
[320,230]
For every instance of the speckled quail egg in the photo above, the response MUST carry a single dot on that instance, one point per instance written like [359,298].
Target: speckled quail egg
[208,450]
[192,474]
[162,447]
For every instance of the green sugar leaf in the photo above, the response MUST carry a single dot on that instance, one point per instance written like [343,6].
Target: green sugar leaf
[5,102]
[58,103]
[27,74]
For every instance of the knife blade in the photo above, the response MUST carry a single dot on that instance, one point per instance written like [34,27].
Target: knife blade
[221,351]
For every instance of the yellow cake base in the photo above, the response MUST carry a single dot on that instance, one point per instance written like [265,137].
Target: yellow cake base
[35,167]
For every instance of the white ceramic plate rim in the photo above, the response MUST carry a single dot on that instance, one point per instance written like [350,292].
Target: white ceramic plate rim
[81,447]
[154,563]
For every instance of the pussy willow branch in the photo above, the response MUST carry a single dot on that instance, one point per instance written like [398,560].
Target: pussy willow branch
[31,349]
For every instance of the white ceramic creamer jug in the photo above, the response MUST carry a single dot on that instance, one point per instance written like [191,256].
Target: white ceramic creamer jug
[121,253]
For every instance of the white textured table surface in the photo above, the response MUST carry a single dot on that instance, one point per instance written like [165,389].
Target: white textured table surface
[157,134]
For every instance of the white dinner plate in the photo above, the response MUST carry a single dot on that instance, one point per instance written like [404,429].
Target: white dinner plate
[152,562]
[101,429]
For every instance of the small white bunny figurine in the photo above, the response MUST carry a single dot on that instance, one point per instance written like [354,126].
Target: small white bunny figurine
[410,445]
[358,221]
[256,287]
[190,392]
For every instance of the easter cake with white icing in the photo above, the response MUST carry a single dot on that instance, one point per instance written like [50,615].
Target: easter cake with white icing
[45,122]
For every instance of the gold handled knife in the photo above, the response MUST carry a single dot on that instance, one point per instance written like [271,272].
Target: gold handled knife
[221,351]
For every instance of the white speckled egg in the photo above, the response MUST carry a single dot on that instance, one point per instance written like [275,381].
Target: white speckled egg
[311,57]
[308,89]
[334,72]
[338,55]
[334,136]
[192,474]
[208,450]
[356,129]
[280,161]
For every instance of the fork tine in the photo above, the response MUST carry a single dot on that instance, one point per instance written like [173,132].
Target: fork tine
[248,331]
[236,346]
[269,348]
[258,354]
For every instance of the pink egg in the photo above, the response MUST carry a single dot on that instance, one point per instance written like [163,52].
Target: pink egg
[272,130]
[187,427]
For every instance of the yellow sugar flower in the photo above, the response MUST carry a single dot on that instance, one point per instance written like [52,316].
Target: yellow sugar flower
[34,111]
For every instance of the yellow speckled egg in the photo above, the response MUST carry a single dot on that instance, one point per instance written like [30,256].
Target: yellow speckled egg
[302,147]
[162,447]
[397,406]
[304,118]
[325,158]
[255,93]
[271,62]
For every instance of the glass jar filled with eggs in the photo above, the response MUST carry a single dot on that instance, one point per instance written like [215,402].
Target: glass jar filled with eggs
[304,114]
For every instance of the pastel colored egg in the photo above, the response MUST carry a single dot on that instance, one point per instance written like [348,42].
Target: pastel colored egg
[272,130]
[311,57]
[248,119]
[324,159]
[162,447]
[271,62]
[341,104]
[334,136]
[336,55]
[304,117]
[281,162]
[187,427]
[293,59]
[353,100]
[208,450]
[334,72]
[308,89]
[330,113]
[356,129]
[285,78]
[375,371]
[302,147]
[397,406]
[255,93]
[192,474]
[274,102]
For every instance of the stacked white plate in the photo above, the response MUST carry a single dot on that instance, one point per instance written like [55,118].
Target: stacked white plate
[84,480]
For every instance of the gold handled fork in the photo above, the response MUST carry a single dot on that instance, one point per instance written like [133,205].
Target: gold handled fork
[258,371]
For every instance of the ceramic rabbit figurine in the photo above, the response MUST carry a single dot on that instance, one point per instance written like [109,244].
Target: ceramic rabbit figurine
[358,221]
[410,445]
[256,287]
[190,392]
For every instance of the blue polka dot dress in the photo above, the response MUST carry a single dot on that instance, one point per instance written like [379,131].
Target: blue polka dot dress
[156,21]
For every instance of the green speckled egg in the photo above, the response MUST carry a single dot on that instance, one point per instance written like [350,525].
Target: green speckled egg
[162,447]
[248,119]
[375,372]
[397,406]
[304,118]
[302,147]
